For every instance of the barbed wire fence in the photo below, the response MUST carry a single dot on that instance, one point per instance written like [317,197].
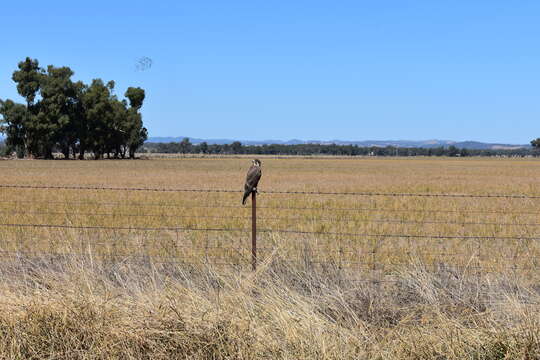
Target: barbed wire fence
[247,252]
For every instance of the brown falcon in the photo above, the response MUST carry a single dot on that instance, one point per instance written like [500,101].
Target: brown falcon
[252,179]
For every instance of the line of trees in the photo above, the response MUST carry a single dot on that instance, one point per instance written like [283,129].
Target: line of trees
[70,117]
[186,147]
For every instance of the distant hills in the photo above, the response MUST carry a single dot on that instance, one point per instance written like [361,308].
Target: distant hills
[473,145]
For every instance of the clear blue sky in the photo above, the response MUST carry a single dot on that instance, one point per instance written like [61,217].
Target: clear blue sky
[350,70]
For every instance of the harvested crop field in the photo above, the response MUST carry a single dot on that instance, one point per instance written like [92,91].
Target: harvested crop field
[357,258]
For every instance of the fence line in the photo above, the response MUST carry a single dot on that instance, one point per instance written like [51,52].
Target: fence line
[220,206]
[54,187]
[308,236]
[284,231]
[237,249]
[504,196]
[170,260]
[343,219]
[97,227]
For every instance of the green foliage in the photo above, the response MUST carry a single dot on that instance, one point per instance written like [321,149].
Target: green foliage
[15,119]
[98,111]
[203,147]
[53,123]
[135,131]
[70,116]
[236,147]
[185,146]
[135,96]
[453,151]
[320,149]
[28,79]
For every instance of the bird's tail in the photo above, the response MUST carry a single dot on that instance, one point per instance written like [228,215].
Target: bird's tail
[246,195]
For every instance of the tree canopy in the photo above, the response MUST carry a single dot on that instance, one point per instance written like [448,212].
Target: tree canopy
[71,117]
[185,147]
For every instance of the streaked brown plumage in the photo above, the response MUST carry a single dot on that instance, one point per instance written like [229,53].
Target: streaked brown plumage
[252,179]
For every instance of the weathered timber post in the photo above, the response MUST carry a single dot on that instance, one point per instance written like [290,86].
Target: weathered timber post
[254,230]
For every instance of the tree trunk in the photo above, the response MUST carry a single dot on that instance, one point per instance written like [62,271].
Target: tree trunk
[66,152]
[48,154]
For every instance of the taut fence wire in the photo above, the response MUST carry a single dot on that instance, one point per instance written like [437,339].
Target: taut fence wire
[269,218]
[502,196]
[339,251]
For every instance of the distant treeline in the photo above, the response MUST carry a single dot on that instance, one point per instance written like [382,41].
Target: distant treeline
[186,147]
[70,117]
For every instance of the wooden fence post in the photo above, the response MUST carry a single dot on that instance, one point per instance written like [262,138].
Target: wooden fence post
[254,231]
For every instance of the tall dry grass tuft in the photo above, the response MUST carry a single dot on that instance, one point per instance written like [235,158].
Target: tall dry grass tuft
[75,307]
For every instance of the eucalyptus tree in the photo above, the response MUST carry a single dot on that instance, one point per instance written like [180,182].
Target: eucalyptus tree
[55,119]
[29,78]
[98,112]
[136,132]
[13,125]
[71,116]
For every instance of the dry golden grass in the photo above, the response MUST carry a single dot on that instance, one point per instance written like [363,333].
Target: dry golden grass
[121,293]
[385,217]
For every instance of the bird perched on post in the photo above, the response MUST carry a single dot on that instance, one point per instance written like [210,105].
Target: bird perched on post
[252,179]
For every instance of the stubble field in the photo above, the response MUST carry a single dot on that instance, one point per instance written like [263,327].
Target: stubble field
[378,272]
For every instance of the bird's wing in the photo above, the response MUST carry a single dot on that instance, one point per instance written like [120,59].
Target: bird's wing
[253,176]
